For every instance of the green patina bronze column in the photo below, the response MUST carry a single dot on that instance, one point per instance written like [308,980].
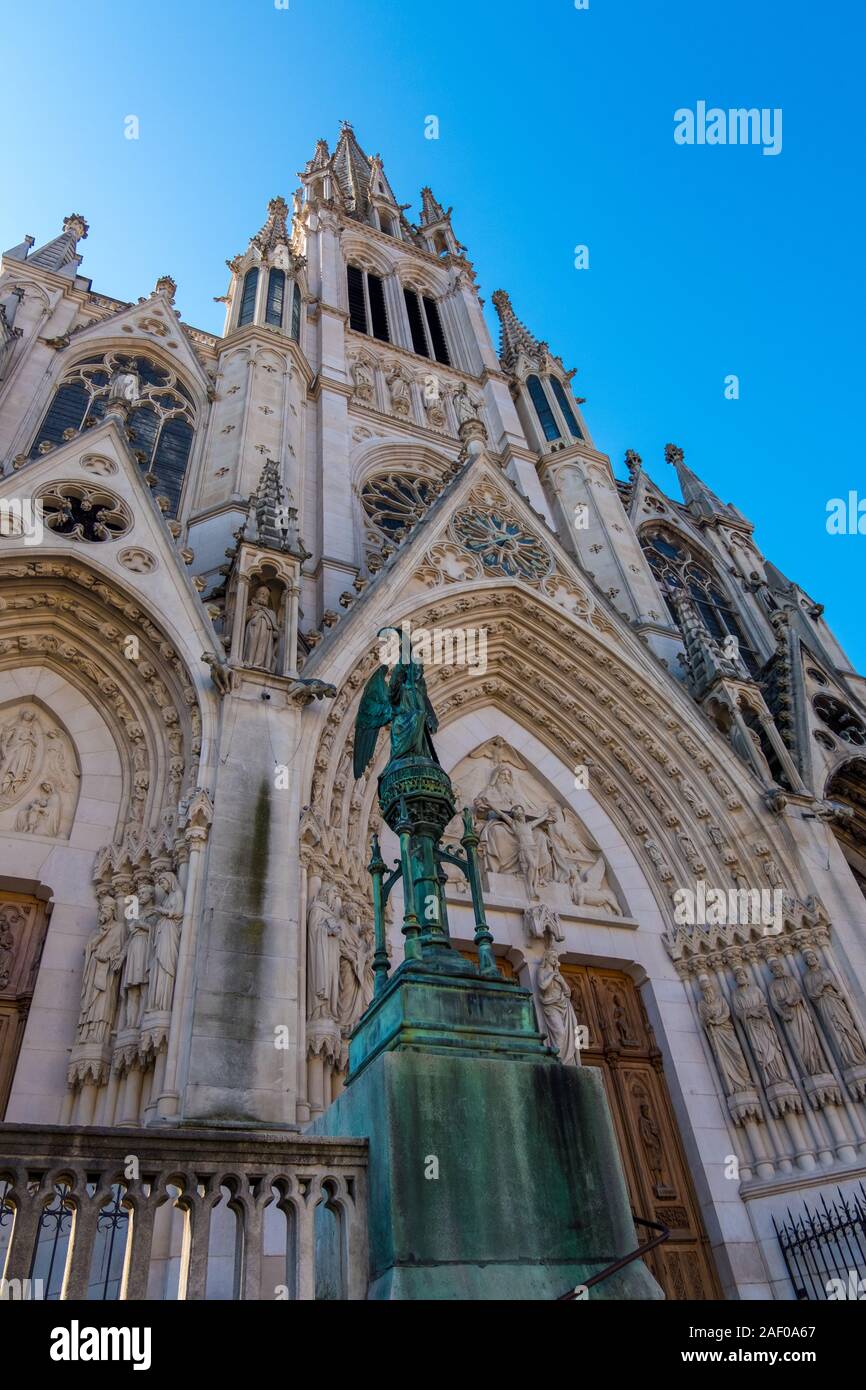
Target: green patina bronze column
[417,802]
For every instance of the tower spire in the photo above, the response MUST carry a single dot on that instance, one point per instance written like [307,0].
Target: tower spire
[699,499]
[275,230]
[515,338]
[59,255]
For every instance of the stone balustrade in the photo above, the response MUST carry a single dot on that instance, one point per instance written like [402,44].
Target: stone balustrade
[187,1214]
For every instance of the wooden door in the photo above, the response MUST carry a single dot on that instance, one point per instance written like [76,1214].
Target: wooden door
[622,1046]
[22,932]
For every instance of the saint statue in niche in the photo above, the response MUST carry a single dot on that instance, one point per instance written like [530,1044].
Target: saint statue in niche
[715,1015]
[751,1009]
[833,1011]
[323,951]
[167,918]
[262,634]
[102,959]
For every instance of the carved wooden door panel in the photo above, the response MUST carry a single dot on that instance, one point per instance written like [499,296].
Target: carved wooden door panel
[22,932]
[622,1046]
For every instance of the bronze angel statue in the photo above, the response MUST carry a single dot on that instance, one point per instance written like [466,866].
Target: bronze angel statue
[403,703]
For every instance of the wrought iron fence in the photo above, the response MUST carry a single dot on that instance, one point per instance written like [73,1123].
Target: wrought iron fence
[825,1248]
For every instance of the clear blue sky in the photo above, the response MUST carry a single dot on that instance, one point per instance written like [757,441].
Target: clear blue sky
[556,129]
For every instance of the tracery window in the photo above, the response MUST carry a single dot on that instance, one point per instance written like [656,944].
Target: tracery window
[502,545]
[248,297]
[842,720]
[276,297]
[553,407]
[543,409]
[674,563]
[160,422]
[367,313]
[394,502]
[565,406]
[296,313]
[425,325]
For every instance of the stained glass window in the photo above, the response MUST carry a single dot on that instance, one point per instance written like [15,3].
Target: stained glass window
[296,313]
[502,545]
[542,408]
[395,501]
[674,563]
[248,298]
[276,295]
[160,422]
[565,406]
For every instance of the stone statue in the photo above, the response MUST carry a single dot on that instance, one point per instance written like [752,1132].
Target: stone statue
[556,1006]
[102,959]
[528,851]
[567,852]
[167,918]
[42,816]
[592,889]
[18,745]
[833,1011]
[751,1009]
[323,951]
[788,1002]
[125,385]
[355,973]
[715,1015]
[399,389]
[464,406]
[136,958]
[262,634]
[363,381]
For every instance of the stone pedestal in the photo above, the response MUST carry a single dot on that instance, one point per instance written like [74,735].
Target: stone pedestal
[494,1169]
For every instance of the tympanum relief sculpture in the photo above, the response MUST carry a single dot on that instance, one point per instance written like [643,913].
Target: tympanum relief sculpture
[534,841]
[39,774]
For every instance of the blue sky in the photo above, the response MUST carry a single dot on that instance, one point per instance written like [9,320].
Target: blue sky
[556,129]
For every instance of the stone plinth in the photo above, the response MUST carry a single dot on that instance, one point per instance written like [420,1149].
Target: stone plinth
[497,1174]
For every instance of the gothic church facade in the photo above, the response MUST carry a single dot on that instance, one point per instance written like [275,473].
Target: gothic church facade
[662,743]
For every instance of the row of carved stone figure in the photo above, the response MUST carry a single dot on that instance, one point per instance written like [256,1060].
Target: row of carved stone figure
[400,398]
[339,959]
[130,962]
[787,1001]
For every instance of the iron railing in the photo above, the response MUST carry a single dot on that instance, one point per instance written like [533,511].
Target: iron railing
[825,1248]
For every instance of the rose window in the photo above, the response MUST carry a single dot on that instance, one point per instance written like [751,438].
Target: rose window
[502,545]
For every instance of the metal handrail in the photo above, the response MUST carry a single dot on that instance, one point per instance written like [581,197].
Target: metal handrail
[573,1297]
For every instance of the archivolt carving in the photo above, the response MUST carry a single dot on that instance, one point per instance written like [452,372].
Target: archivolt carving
[557,677]
[66,617]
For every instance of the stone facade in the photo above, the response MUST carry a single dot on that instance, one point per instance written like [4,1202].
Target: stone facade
[637,706]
